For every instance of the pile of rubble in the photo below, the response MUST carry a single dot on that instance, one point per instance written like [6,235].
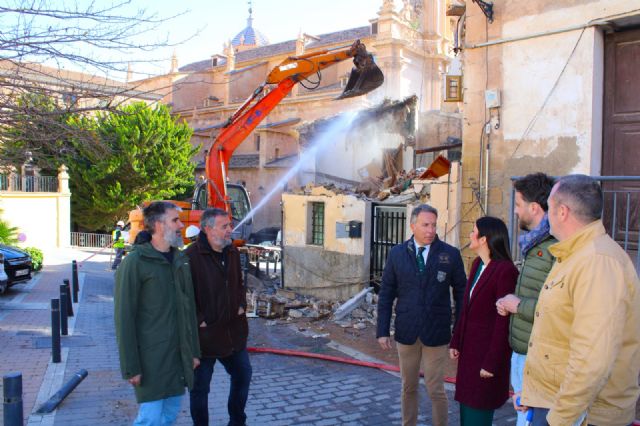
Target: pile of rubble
[390,185]
[359,312]
[402,189]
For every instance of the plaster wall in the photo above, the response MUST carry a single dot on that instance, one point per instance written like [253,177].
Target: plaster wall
[550,117]
[243,83]
[445,197]
[340,267]
[44,218]
[192,90]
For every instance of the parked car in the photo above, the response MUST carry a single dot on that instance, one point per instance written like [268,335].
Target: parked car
[265,236]
[16,264]
[4,280]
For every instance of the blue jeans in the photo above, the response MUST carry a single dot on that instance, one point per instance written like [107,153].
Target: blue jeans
[540,417]
[517,371]
[158,413]
[238,367]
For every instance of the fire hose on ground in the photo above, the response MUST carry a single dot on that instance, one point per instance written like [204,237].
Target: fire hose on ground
[378,365]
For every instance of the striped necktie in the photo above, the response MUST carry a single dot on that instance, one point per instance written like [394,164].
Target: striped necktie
[420,259]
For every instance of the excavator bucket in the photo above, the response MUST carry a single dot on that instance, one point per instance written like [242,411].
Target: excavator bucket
[364,77]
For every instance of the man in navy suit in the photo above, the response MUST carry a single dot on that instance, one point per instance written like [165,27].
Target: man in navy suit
[419,274]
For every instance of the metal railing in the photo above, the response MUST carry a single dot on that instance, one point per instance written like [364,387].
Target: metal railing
[620,214]
[84,239]
[22,183]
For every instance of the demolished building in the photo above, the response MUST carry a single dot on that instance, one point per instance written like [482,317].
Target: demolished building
[358,197]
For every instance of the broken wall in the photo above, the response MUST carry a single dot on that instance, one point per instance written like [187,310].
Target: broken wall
[337,269]
[436,126]
[352,146]
[444,195]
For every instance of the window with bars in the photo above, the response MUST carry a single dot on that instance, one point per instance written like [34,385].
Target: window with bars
[317,224]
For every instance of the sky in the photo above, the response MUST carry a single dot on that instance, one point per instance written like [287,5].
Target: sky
[204,26]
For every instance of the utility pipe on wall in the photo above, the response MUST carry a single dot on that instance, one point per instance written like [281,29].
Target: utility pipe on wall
[593,23]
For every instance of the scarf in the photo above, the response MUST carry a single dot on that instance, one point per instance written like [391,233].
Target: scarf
[533,237]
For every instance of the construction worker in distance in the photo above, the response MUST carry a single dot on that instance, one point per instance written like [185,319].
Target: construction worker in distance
[191,233]
[118,243]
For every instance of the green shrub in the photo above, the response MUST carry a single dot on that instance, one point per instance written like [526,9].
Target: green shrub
[36,257]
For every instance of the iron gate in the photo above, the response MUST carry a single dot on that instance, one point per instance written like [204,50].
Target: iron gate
[388,230]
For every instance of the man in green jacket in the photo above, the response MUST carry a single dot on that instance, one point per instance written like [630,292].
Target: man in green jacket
[155,318]
[531,193]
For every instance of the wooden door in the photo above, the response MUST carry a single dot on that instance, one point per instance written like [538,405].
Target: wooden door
[621,137]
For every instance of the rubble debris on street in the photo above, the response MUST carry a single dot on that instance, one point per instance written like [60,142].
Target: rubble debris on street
[285,306]
[351,304]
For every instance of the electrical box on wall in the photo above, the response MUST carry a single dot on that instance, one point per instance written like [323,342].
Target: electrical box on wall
[342,230]
[355,229]
[351,229]
[492,98]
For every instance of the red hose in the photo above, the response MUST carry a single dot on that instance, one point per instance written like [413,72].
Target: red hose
[301,354]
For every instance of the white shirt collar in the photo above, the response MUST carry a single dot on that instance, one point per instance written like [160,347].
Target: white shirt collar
[417,246]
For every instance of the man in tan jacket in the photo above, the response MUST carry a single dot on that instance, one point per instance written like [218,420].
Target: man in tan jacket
[584,353]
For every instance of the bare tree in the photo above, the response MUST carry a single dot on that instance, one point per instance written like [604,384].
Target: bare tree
[41,42]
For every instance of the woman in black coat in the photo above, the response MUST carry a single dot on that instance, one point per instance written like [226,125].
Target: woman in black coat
[480,340]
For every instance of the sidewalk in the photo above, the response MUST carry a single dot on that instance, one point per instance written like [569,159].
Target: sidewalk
[25,321]
[284,390]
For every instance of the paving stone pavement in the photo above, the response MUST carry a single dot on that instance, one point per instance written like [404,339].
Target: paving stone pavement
[284,390]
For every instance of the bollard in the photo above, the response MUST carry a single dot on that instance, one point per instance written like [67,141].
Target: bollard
[69,303]
[12,407]
[64,325]
[64,391]
[55,330]
[74,282]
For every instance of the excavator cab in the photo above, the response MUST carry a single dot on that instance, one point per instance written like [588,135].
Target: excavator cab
[365,76]
[240,206]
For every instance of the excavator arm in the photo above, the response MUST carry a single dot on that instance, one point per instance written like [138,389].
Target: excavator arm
[365,77]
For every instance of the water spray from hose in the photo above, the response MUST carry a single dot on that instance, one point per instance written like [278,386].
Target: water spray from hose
[338,128]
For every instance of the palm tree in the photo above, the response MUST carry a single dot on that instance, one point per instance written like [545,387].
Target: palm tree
[8,233]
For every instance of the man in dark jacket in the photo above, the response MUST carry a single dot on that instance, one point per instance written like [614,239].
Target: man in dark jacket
[220,306]
[419,274]
[531,193]
[155,318]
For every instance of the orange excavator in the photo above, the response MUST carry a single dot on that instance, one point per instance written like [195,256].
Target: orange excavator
[215,191]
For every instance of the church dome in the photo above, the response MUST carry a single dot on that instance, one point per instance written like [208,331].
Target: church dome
[249,37]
